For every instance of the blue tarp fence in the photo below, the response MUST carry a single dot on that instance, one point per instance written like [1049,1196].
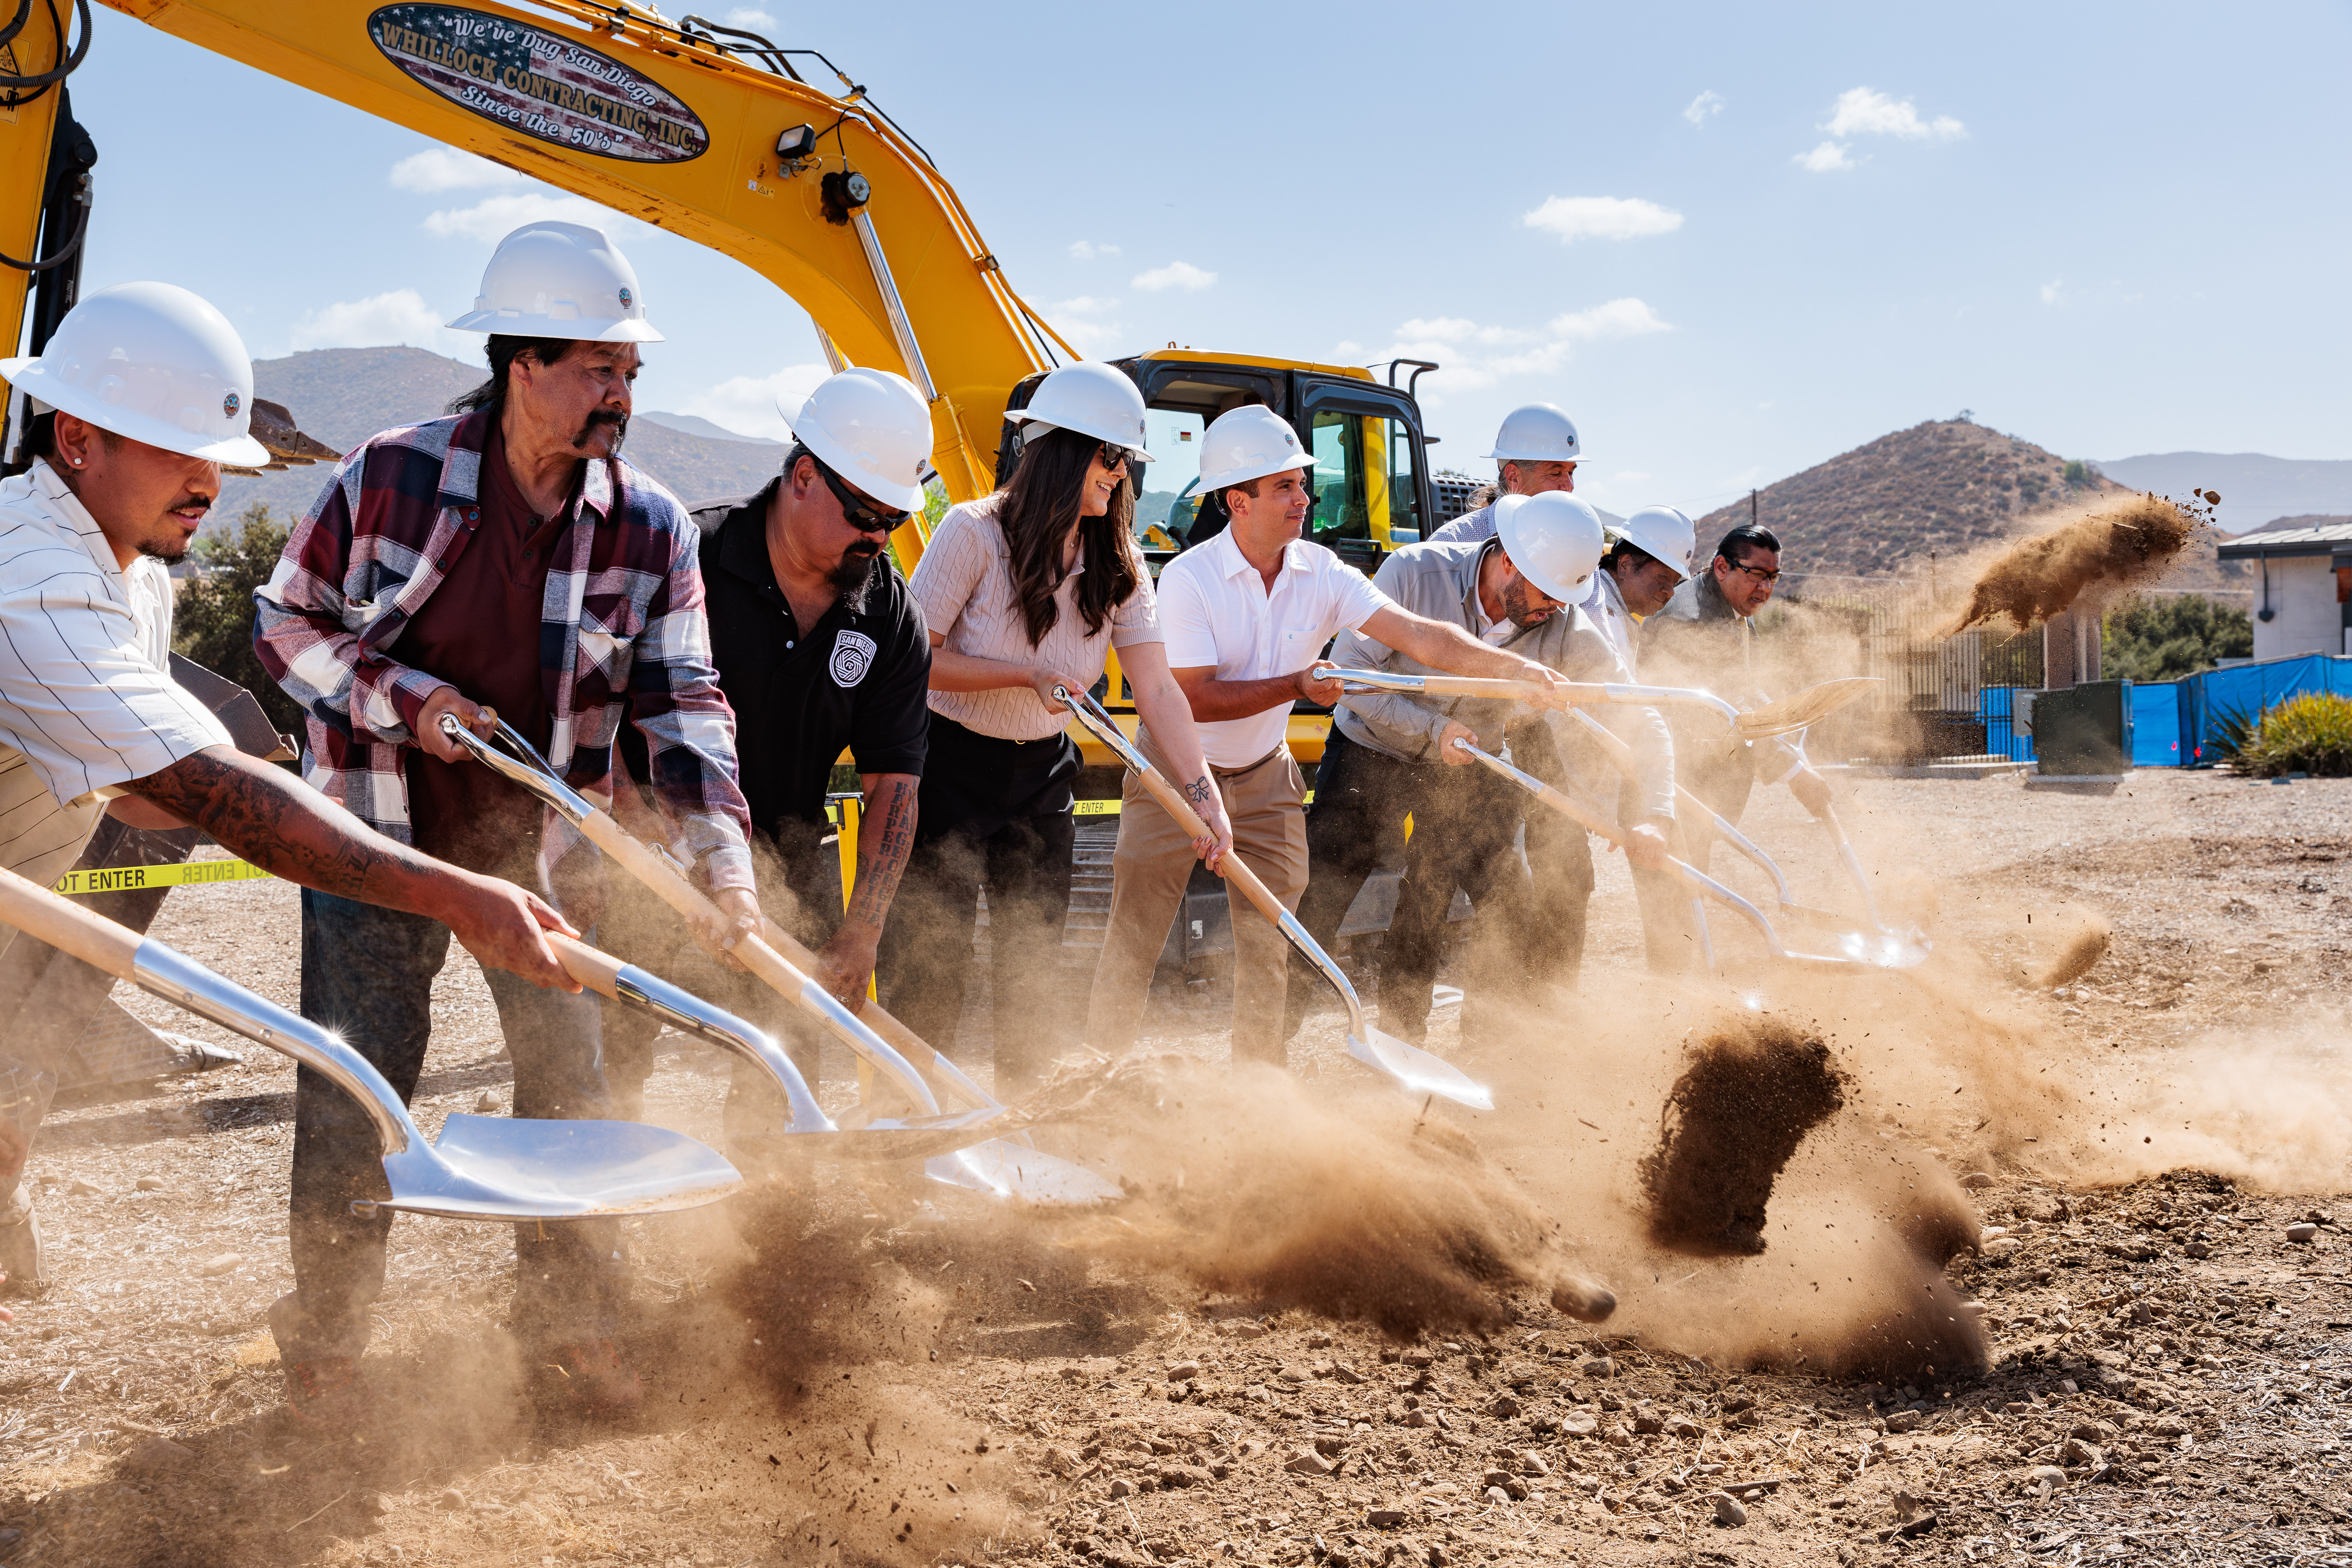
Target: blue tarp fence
[1996,705]
[2246,689]
[2156,724]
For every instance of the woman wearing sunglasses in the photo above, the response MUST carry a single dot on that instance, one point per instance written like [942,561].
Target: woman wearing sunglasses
[1023,590]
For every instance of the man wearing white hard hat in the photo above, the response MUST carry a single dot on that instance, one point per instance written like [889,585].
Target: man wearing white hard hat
[819,648]
[1025,590]
[504,560]
[1247,615]
[1536,451]
[1391,756]
[138,399]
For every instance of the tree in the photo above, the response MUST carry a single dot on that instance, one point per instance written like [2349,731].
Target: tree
[212,620]
[2165,638]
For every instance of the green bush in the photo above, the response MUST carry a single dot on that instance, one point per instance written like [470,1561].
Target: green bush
[2163,639]
[2307,734]
[211,620]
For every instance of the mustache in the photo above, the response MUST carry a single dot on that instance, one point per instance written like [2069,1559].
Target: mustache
[194,500]
[620,423]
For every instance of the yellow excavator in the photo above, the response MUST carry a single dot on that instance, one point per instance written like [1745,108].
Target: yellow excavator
[718,134]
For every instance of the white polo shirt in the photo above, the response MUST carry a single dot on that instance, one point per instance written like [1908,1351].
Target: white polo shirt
[1216,610]
[87,699]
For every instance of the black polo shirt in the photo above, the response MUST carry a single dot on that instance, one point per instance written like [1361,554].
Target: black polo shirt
[858,679]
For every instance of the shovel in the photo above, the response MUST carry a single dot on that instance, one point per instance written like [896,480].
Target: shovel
[810,1131]
[484,1167]
[1784,717]
[1410,1066]
[1910,947]
[1855,948]
[1021,1173]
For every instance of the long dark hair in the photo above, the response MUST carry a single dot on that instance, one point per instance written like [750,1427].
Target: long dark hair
[502,352]
[1035,508]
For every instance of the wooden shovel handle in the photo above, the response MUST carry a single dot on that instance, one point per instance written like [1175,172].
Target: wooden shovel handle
[1241,876]
[67,926]
[674,889]
[598,971]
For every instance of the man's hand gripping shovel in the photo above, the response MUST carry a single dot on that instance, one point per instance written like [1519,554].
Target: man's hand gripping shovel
[482,1167]
[1410,1066]
[1003,1168]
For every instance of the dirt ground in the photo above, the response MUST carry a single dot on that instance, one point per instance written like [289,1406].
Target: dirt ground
[851,1369]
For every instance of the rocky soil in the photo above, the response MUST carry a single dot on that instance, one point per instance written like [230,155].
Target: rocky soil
[845,1369]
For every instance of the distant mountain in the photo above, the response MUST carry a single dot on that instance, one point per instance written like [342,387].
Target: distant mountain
[344,395]
[695,424]
[2255,489]
[1947,486]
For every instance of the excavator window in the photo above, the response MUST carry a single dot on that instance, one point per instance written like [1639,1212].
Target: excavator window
[1364,483]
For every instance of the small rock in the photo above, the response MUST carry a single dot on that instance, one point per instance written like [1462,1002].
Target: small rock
[1532,1463]
[1294,1375]
[1648,1425]
[1618,1435]
[1184,1371]
[1307,1462]
[1060,1461]
[2074,1453]
[1384,1517]
[1437,1558]
[1497,1494]
[2046,1475]
[2303,1230]
[1321,1368]
[1417,1358]
[2092,1432]
[1999,1246]
[1346,1373]
[1683,1426]
[78,1188]
[1903,1421]
[451,1498]
[1503,1408]
[1579,1423]
[1728,1510]
[1599,1366]
[1184,1476]
[215,1268]
[1243,1329]
[155,1457]
[150,1184]
[485,1102]
[1975,1180]
[1122,1488]
[1319,1340]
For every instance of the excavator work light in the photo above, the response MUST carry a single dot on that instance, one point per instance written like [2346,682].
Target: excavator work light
[797,145]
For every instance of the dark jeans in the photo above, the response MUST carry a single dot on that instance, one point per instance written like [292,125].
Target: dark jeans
[801,890]
[368,973]
[995,817]
[1464,826]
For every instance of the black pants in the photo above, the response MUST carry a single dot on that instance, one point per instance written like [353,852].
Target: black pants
[800,888]
[995,817]
[1464,826]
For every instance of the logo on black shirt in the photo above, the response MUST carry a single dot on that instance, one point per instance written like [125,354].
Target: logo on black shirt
[853,656]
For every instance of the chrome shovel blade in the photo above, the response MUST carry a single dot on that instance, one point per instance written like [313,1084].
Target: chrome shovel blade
[1417,1070]
[876,1143]
[500,1168]
[1009,1170]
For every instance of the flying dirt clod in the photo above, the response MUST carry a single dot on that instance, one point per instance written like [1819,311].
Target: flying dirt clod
[2107,550]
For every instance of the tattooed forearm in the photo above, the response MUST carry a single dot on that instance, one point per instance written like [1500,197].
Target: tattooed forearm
[262,813]
[886,838]
[1197,791]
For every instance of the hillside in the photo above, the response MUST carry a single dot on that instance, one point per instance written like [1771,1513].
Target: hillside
[2256,489]
[342,396]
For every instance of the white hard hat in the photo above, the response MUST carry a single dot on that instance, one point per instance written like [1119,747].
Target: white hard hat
[1554,539]
[154,362]
[550,279]
[1091,399]
[1663,533]
[1535,433]
[874,429]
[1248,443]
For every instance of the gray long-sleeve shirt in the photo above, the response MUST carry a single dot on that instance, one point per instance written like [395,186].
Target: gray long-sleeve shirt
[1441,582]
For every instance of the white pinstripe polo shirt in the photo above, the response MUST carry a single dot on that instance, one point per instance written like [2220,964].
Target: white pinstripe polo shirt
[87,699]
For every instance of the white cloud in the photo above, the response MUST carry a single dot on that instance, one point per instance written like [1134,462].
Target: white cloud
[752,405]
[1086,322]
[1824,159]
[1175,275]
[1473,355]
[1704,104]
[751,16]
[1086,305]
[2050,289]
[492,218]
[1628,477]
[399,316]
[1627,317]
[1863,111]
[447,169]
[1086,250]
[1603,218]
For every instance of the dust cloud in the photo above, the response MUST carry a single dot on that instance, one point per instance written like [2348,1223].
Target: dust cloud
[2107,550]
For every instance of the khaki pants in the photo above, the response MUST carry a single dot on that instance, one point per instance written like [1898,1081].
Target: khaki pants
[1154,861]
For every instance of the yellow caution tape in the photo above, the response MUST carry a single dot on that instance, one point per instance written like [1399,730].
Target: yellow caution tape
[129,879]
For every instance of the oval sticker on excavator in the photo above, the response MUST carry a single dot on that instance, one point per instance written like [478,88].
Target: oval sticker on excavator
[538,82]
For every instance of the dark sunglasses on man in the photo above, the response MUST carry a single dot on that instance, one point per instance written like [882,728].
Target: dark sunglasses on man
[855,509]
[1766,577]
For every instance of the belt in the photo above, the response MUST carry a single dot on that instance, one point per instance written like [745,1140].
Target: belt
[1248,767]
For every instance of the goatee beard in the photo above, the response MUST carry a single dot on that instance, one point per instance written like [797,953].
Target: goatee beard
[856,569]
[620,423]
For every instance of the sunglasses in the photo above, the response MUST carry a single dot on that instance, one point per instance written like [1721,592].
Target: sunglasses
[1759,573]
[855,509]
[1114,458]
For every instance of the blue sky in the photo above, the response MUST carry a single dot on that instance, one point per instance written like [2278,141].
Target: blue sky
[1730,241]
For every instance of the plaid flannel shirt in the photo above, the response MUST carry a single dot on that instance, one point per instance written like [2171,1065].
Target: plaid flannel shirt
[380,539]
